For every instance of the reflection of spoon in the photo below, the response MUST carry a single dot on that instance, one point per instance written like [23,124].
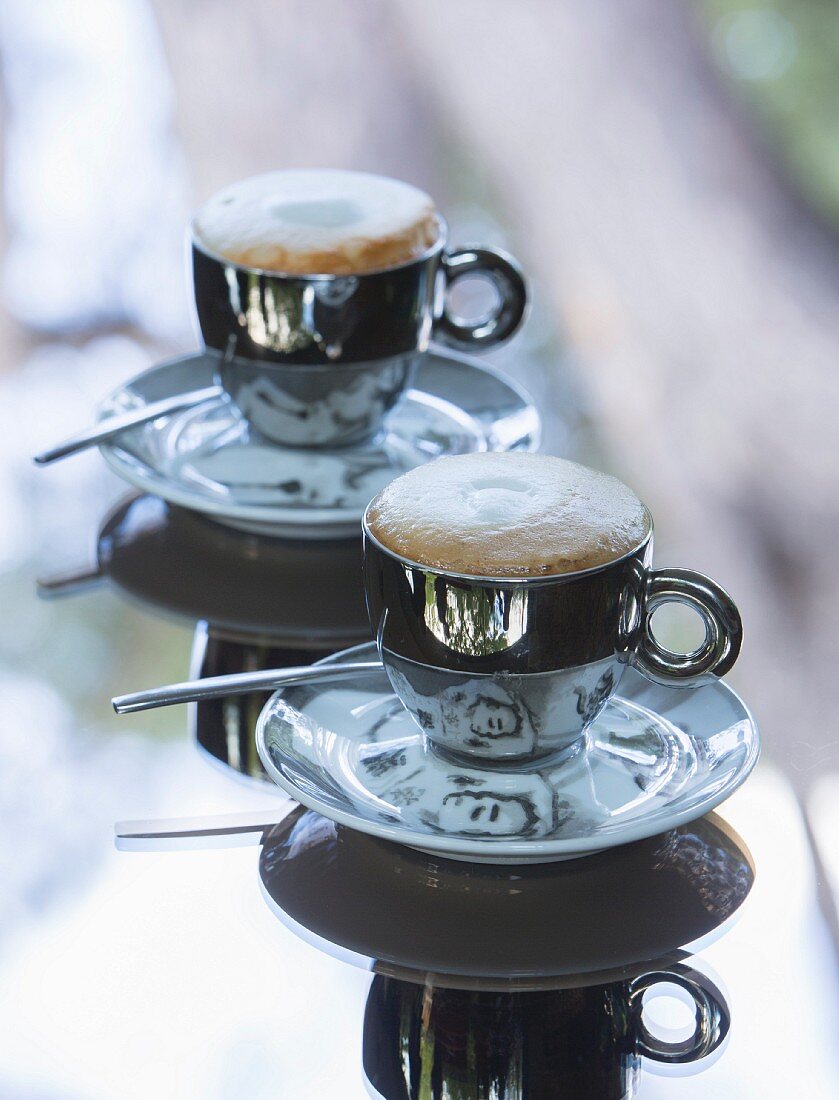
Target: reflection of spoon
[115,425]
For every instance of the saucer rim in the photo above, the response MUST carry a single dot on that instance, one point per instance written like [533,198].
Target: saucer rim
[533,850]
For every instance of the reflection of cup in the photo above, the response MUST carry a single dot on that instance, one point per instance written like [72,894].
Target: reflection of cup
[316,405]
[430,1042]
[514,668]
[319,360]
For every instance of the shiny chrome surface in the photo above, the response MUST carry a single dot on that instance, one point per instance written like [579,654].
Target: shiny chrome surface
[712,1019]
[524,665]
[723,627]
[433,1043]
[484,625]
[326,319]
[500,323]
[317,405]
[320,360]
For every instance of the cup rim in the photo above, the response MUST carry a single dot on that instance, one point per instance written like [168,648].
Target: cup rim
[500,581]
[320,277]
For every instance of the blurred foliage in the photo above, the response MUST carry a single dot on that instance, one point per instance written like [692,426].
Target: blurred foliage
[783,58]
[91,646]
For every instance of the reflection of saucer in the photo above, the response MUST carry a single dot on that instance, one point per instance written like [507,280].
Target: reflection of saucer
[477,926]
[209,459]
[655,758]
[301,595]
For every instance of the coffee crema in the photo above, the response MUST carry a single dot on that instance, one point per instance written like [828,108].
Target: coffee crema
[508,515]
[318,223]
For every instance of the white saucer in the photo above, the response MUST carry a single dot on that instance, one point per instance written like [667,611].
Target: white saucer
[656,758]
[209,459]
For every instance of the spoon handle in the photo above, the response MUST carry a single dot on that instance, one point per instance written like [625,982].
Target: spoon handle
[238,683]
[112,425]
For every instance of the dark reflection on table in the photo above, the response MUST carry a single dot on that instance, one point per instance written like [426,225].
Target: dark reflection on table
[259,602]
[224,728]
[509,982]
[303,593]
[500,983]
[433,1043]
[403,911]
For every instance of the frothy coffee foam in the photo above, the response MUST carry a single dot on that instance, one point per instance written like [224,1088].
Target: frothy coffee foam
[314,223]
[508,515]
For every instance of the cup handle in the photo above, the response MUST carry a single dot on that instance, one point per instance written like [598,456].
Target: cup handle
[713,1019]
[723,628]
[505,274]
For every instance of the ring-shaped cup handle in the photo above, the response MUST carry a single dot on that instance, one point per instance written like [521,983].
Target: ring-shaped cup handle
[508,280]
[723,628]
[711,1015]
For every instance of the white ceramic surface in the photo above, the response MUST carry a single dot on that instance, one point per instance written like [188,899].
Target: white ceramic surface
[209,458]
[655,758]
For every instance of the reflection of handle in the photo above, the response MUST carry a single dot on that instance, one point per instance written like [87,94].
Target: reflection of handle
[723,628]
[712,1016]
[505,275]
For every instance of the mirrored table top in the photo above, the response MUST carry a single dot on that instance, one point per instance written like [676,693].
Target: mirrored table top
[300,960]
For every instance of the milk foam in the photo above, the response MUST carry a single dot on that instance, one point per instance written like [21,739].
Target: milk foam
[508,515]
[318,222]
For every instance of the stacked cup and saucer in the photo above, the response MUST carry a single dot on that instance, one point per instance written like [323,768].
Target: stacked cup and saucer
[317,295]
[516,705]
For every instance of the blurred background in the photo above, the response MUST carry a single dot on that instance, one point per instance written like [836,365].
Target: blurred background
[667,173]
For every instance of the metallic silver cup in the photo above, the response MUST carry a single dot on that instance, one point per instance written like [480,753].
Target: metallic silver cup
[425,1041]
[319,360]
[515,669]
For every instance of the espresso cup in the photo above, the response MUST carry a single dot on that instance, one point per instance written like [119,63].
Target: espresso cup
[513,669]
[319,360]
[433,1042]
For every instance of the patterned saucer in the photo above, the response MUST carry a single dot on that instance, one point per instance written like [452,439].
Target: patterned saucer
[208,458]
[654,759]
